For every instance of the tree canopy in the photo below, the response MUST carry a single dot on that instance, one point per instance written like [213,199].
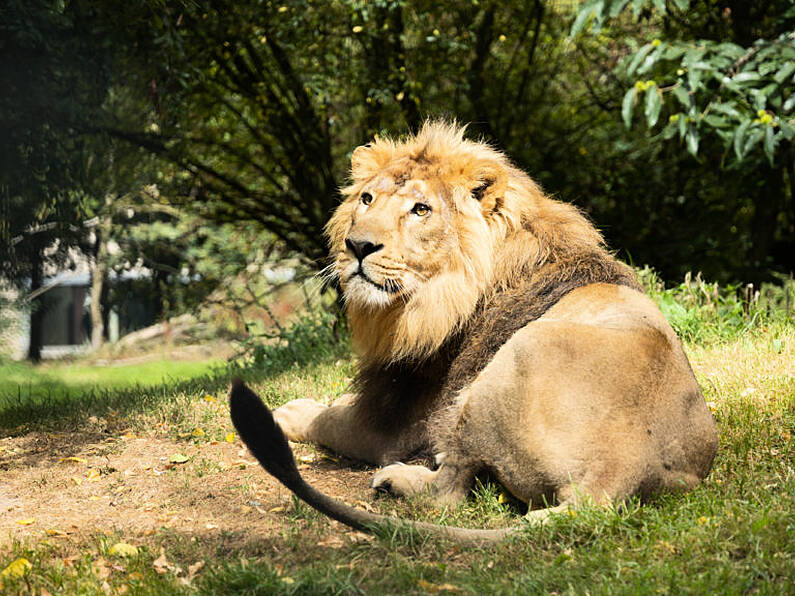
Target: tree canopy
[669,122]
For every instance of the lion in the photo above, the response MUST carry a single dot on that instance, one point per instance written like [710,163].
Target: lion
[496,334]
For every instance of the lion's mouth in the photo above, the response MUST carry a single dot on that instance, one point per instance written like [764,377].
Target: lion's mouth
[390,286]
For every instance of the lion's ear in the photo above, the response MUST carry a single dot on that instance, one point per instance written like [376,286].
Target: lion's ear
[367,159]
[359,158]
[491,182]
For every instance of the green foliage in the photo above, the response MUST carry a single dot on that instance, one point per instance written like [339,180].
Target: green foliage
[315,336]
[743,93]
[711,81]
[703,312]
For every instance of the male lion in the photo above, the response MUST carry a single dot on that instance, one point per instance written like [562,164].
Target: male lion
[496,333]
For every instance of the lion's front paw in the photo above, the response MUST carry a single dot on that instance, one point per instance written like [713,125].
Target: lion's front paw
[402,480]
[296,416]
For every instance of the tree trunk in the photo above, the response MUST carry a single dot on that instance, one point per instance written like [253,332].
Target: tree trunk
[36,305]
[99,269]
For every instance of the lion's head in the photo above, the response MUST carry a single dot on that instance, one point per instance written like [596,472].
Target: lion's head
[428,226]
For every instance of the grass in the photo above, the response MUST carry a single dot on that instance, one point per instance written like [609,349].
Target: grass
[41,382]
[733,534]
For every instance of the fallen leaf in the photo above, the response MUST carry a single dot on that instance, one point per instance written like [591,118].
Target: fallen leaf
[211,526]
[93,475]
[357,536]
[18,568]
[210,399]
[431,587]
[194,569]
[54,532]
[27,521]
[94,498]
[331,542]
[77,460]
[363,505]
[77,481]
[101,570]
[307,459]
[162,565]
[197,432]
[178,458]
[230,437]
[278,509]
[122,549]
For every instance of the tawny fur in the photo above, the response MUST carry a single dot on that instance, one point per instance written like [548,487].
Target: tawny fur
[496,332]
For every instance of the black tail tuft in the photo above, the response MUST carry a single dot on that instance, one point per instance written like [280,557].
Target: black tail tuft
[259,431]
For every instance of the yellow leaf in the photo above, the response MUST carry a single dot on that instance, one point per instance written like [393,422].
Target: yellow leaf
[77,481]
[178,458]
[230,437]
[122,549]
[18,568]
[197,432]
[92,475]
[288,580]
[54,532]
[27,521]
[210,399]
[77,460]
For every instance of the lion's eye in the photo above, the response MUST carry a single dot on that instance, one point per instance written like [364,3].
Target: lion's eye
[367,198]
[421,209]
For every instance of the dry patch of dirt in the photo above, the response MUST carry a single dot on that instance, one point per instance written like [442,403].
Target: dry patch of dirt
[73,485]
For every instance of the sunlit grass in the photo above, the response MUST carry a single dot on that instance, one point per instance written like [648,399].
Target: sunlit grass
[18,378]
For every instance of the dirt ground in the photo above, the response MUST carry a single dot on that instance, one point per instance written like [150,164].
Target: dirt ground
[71,485]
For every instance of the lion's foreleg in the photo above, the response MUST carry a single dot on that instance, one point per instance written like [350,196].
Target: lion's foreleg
[337,427]
[448,485]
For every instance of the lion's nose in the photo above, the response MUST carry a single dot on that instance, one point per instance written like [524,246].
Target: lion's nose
[362,248]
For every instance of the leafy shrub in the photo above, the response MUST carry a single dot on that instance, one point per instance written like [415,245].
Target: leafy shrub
[317,335]
[701,312]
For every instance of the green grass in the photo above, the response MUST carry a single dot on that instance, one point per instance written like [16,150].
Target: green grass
[734,534]
[38,382]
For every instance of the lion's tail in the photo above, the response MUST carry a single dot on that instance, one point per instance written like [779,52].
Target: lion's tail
[267,442]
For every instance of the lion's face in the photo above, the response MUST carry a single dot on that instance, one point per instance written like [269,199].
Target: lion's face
[399,236]
[415,242]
